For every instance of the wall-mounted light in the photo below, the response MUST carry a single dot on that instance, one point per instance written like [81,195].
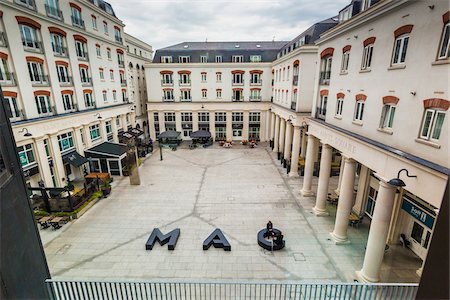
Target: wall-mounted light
[99,117]
[203,106]
[27,134]
[132,107]
[304,125]
[397,181]
[413,93]
[290,118]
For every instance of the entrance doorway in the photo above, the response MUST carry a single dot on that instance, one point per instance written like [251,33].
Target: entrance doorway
[420,237]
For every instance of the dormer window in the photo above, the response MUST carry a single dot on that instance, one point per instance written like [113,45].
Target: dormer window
[184,59]
[237,58]
[218,58]
[166,59]
[255,58]
[203,59]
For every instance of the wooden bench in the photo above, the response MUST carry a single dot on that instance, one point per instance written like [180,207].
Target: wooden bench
[45,222]
[56,222]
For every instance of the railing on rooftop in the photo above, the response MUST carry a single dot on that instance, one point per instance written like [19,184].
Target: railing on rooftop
[143,290]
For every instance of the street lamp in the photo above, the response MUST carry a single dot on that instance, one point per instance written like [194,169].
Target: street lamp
[397,182]
[27,134]
[290,118]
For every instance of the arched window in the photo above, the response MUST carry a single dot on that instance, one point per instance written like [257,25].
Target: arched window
[367,53]
[433,118]
[325,65]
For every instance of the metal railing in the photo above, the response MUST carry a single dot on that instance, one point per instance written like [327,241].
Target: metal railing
[295,80]
[32,45]
[237,99]
[119,39]
[321,112]
[121,63]
[185,99]
[257,82]
[66,81]
[83,56]
[237,82]
[168,99]
[325,77]
[184,83]
[255,98]
[86,81]
[167,82]
[77,22]
[7,79]
[54,12]
[3,41]
[40,80]
[123,82]
[60,50]
[143,290]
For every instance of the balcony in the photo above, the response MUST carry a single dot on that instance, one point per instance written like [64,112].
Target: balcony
[167,82]
[185,83]
[257,82]
[32,45]
[295,80]
[185,99]
[7,79]
[67,81]
[123,82]
[27,3]
[325,78]
[60,51]
[255,98]
[54,12]
[3,41]
[86,81]
[40,80]
[167,99]
[77,22]
[321,113]
[294,105]
[239,83]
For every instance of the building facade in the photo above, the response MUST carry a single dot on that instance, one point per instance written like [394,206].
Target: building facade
[381,99]
[64,80]
[138,53]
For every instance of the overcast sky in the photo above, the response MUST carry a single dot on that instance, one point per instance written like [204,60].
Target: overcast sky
[162,23]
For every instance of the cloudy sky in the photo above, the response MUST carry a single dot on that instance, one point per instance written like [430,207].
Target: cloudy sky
[163,23]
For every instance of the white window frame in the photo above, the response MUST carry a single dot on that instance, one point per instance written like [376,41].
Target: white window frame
[218,59]
[63,74]
[445,45]
[95,128]
[40,100]
[432,124]
[203,59]
[255,58]
[367,57]
[219,94]
[203,76]
[169,117]
[345,61]
[400,49]
[98,50]
[26,150]
[359,111]
[204,94]
[66,137]
[166,59]
[387,116]
[184,59]
[80,48]
[339,106]
[218,76]
[67,100]
[88,100]
[94,22]
[237,58]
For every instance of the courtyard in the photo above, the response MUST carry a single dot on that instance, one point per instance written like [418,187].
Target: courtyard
[237,190]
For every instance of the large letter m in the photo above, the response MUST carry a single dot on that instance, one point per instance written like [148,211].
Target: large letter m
[171,238]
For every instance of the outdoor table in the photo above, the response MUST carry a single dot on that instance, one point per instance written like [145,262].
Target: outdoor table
[55,222]
[44,221]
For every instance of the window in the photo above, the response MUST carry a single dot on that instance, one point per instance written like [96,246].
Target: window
[108,53]
[387,116]
[218,77]
[167,78]
[345,60]
[255,95]
[221,117]
[118,35]
[169,117]
[65,142]
[238,78]
[400,47]
[114,96]
[218,93]
[237,58]
[166,59]
[255,58]
[218,58]
[203,77]
[27,3]
[58,44]
[186,117]
[339,106]
[168,95]
[432,122]
[255,79]
[203,59]
[444,49]
[26,155]
[94,22]
[185,78]
[88,100]
[29,37]
[98,50]
[95,132]
[84,73]
[184,59]
[371,199]
[204,94]
[63,74]
[367,57]
[109,133]
[238,95]
[36,72]
[11,104]
[102,73]
[76,17]
[254,117]
[80,48]
[120,60]
[68,102]
[105,96]
[185,95]
[111,75]
[325,72]
[105,28]
[359,111]
[43,104]
[322,109]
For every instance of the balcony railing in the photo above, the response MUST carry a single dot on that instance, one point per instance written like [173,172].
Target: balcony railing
[255,98]
[119,39]
[123,82]
[83,56]
[32,45]
[185,99]
[90,105]
[77,22]
[17,116]
[325,77]
[168,99]
[121,64]
[295,80]
[41,80]
[60,51]
[3,41]
[321,112]
[238,82]
[257,82]
[27,3]
[294,105]
[67,81]
[167,82]
[50,112]
[272,82]
[237,99]
[7,79]
[184,83]
[54,12]
[73,108]
[86,81]
[133,290]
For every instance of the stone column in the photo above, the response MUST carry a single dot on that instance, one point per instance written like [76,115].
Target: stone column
[341,171]
[229,126]
[133,119]
[378,233]
[276,134]
[115,130]
[194,120]
[309,167]
[246,126]
[123,121]
[212,124]
[361,195]
[102,126]
[303,151]
[345,203]
[58,165]
[78,140]
[272,126]
[288,142]
[295,152]
[87,136]
[282,135]
[324,179]
[178,123]
[44,166]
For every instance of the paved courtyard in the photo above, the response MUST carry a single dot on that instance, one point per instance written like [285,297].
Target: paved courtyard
[237,190]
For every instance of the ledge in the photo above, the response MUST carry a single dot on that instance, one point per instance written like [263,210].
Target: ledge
[365,71]
[441,62]
[399,67]
[384,130]
[343,73]
[359,123]
[338,117]
[428,143]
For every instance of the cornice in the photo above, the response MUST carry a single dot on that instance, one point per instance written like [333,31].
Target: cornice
[306,49]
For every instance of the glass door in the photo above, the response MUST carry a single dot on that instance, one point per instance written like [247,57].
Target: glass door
[420,237]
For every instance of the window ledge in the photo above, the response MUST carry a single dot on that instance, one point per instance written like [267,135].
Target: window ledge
[429,143]
[385,130]
[397,67]
[441,62]
[343,73]
[365,71]
[356,122]
[338,117]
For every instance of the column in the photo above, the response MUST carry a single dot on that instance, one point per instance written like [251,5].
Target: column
[295,152]
[324,179]
[282,136]
[212,124]
[378,233]
[161,120]
[276,134]
[103,130]
[87,136]
[133,119]
[60,173]
[272,126]
[44,166]
[123,121]
[245,126]
[288,141]
[341,171]
[194,120]
[267,126]
[303,151]
[178,126]
[363,183]
[309,167]
[115,130]
[78,140]
[229,126]
[345,203]
[151,125]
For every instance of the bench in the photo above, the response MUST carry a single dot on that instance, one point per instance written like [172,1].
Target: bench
[55,222]
[45,222]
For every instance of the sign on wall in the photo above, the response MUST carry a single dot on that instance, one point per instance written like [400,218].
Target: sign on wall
[418,213]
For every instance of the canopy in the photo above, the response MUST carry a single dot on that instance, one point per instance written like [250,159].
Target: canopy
[136,132]
[74,158]
[169,134]
[200,134]
[108,149]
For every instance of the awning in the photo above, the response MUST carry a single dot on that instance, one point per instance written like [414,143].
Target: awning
[136,132]
[108,149]
[199,134]
[169,134]
[75,159]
